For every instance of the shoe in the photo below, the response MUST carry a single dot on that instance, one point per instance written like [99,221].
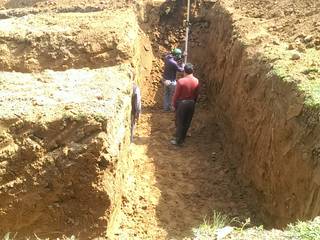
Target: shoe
[175,143]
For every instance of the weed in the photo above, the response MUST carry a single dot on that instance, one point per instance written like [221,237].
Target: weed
[304,230]
[211,225]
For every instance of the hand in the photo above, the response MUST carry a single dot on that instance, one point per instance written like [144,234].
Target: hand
[167,82]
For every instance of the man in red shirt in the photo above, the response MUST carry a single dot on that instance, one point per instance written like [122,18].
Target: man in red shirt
[184,99]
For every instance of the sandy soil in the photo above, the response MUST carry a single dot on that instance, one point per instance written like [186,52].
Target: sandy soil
[174,189]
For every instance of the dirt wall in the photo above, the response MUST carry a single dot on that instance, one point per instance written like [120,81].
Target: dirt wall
[272,135]
[63,151]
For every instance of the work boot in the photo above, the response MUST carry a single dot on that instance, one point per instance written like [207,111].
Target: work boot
[175,143]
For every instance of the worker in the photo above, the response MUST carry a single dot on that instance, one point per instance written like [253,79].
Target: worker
[171,67]
[135,108]
[184,99]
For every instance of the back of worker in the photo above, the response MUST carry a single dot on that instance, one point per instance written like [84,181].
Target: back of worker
[184,99]
[187,88]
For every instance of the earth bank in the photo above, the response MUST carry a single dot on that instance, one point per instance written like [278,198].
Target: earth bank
[59,156]
[272,130]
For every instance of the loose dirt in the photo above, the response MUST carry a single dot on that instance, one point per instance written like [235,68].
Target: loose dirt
[171,189]
[174,189]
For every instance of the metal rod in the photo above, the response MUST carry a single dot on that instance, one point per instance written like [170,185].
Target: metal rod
[187,33]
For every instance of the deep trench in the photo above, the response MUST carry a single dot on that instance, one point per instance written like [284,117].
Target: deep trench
[241,105]
[269,134]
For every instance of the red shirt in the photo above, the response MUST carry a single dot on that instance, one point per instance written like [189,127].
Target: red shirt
[187,89]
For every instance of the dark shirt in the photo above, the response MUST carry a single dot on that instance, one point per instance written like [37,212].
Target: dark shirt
[187,89]
[171,67]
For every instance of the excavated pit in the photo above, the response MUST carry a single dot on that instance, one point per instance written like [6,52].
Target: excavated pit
[64,133]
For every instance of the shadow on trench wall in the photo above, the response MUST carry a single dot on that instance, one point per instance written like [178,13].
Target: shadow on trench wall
[192,182]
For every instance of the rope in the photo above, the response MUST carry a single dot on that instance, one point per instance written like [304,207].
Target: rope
[187,33]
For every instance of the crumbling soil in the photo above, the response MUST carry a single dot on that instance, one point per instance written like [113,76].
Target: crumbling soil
[61,151]
[170,190]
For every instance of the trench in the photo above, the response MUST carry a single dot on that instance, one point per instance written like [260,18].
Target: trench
[257,126]
[252,153]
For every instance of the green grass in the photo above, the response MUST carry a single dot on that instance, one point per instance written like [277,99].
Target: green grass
[304,230]
[309,230]
[305,72]
[211,225]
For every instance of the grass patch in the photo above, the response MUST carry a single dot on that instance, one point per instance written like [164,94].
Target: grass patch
[207,230]
[304,230]
[309,230]
[305,72]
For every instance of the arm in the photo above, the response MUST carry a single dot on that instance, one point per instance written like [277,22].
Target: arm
[177,67]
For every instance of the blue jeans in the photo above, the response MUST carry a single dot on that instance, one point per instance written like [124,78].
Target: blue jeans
[168,93]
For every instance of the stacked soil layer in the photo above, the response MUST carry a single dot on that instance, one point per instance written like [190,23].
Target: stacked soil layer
[44,41]
[64,137]
[65,118]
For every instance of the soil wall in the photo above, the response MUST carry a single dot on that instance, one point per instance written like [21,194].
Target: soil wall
[65,133]
[64,138]
[271,133]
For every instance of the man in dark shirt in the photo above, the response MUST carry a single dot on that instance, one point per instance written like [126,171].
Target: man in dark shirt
[184,100]
[171,67]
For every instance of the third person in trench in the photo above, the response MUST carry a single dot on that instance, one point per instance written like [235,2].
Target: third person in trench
[184,100]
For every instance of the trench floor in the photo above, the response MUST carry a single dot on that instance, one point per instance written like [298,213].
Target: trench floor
[174,189]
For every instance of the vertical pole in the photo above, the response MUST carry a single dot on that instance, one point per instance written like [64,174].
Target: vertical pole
[187,33]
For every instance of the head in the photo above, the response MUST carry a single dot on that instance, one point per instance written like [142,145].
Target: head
[176,53]
[188,68]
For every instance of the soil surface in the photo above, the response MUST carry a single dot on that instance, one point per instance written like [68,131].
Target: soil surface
[174,189]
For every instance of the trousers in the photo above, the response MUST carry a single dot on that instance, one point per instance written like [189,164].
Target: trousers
[133,126]
[184,115]
[167,98]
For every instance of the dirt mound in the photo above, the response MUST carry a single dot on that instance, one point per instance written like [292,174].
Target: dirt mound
[63,147]
[44,41]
